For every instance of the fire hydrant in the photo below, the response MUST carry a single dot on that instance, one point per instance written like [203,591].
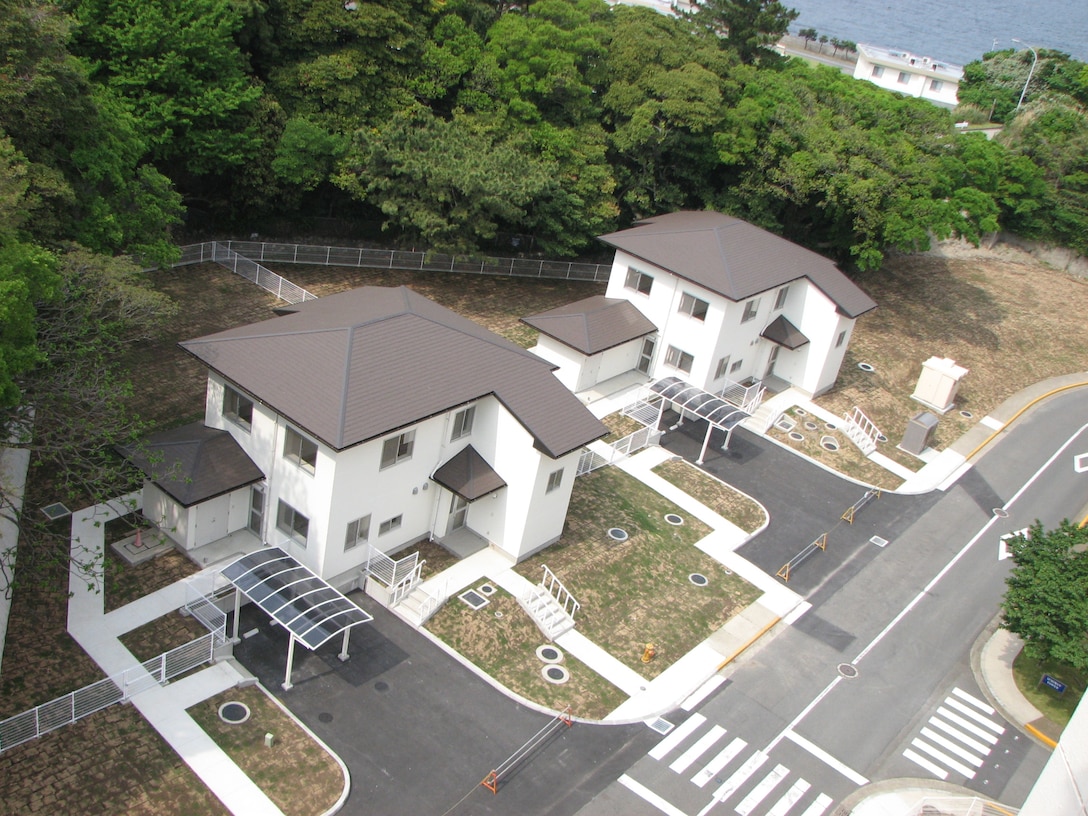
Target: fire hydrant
[648,653]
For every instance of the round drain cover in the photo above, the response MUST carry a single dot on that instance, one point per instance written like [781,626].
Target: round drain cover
[698,579]
[1001,512]
[234,713]
[381,685]
[674,519]
[555,674]
[617,534]
[829,443]
[797,437]
[866,367]
[324,717]
[848,670]
[810,425]
[549,654]
[966,414]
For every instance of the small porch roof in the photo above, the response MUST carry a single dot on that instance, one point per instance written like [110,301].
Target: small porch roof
[305,605]
[784,333]
[468,474]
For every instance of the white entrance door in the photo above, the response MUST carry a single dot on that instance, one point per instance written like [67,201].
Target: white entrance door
[458,512]
[775,348]
[646,356]
[256,510]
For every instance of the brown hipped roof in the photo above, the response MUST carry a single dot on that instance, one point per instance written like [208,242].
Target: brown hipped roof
[358,365]
[734,258]
[592,325]
[468,475]
[193,463]
[784,333]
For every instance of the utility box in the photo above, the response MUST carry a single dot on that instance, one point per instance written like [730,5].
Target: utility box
[938,384]
[919,430]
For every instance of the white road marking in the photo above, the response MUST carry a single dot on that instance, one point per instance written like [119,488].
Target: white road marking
[647,795]
[977,703]
[817,808]
[739,777]
[948,745]
[936,722]
[974,715]
[967,725]
[687,759]
[702,692]
[827,759]
[943,758]
[724,757]
[677,736]
[936,770]
[789,799]
[762,790]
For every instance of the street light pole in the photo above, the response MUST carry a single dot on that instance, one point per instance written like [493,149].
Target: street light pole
[1034,60]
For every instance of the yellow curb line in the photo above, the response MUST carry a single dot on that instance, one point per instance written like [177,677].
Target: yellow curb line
[1039,735]
[1016,416]
[740,651]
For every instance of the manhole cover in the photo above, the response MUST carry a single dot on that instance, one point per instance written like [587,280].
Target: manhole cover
[800,412]
[797,437]
[698,579]
[234,713]
[830,426]
[966,414]
[486,589]
[473,599]
[660,725]
[555,674]
[381,685]
[829,443]
[848,670]
[549,654]
[617,534]
[810,425]
[56,511]
[880,541]
[324,717]
[674,519]
[866,367]
[498,614]
[881,438]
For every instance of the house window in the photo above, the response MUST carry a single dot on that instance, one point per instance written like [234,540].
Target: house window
[878,71]
[904,78]
[736,366]
[237,407]
[936,85]
[300,450]
[555,478]
[390,524]
[780,299]
[841,339]
[639,281]
[462,423]
[358,532]
[723,368]
[291,522]
[398,448]
[691,305]
[751,308]
[679,359]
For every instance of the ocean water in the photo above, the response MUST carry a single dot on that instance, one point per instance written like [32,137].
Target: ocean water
[956,31]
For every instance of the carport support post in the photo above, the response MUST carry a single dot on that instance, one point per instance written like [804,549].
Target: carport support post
[287,686]
[344,648]
[237,614]
[706,443]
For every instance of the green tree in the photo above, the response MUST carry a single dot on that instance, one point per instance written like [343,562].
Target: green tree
[1046,602]
[747,26]
[808,35]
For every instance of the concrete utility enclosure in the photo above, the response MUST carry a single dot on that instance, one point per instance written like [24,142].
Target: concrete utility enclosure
[939,383]
[919,430]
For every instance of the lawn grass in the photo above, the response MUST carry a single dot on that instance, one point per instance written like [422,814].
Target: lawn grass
[502,640]
[637,592]
[162,634]
[296,773]
[727,502]
[1057,708]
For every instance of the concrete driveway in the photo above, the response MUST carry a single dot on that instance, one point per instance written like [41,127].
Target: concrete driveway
[419,731]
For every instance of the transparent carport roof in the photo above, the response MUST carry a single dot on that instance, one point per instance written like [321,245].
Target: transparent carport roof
[305,605]
[714,409]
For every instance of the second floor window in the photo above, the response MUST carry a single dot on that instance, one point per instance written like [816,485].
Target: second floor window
[300,450]
[397,448]
[462,423]
[691,305]
[639,281]
[555,479]
[237,407]
[751,309]
[780,298]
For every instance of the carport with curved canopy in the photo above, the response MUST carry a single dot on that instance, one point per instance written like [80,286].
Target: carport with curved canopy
[687,398]
[306,606]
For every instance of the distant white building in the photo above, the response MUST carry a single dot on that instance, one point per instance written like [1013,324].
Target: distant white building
[910,75]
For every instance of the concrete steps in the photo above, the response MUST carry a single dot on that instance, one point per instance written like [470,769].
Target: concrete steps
[547,613]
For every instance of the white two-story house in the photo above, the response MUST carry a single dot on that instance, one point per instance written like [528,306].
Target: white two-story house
[374,417]
[711,300]
[909,74]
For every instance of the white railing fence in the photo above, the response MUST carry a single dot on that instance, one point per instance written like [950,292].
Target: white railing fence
[389,571]
[118,688]
[861,430]
[745,397]
[259,252]
[555,588]
[207,610]
[403,588]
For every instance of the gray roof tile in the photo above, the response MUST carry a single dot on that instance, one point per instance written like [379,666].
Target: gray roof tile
[594,324]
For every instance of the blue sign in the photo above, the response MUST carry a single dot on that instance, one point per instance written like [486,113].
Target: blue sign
[1057,685]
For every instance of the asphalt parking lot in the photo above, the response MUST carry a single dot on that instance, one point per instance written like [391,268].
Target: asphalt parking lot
[419,731]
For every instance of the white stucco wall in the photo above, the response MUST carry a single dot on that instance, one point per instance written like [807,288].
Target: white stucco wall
[920,73]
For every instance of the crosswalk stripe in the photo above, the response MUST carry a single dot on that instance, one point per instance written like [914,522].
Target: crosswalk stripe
[975,701]
[948,745]
[729,787]
[982,748]
[702,692]
[677,736]
[789,798]
[686,759]
[817,808]
[762,790]
[647,795]
[724,757]
[974,715]
[967,726]
[936,770]
[943,758]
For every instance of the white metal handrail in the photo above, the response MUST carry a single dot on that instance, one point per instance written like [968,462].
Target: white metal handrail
[555,588]
[401,590]
[390,571]
[861,430]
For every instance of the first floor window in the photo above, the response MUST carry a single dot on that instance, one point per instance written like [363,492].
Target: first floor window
[554,480]
[904,78]
[237,407]
[878,71]
[936,85]
[751,309]
[841,339]
[733,369]
[723,368]
[462,422]
[358,532]
[398,448]
[679,359]
[300,450]
[390,524]
[638,280]
[292,523]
